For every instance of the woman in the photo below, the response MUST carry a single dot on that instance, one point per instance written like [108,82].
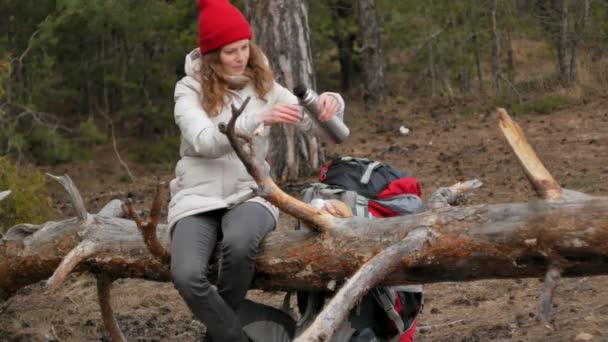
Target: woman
[211,182]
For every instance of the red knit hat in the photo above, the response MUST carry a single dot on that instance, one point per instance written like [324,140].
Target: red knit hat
[219,24]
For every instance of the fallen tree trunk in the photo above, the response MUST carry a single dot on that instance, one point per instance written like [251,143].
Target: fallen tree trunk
[475,242]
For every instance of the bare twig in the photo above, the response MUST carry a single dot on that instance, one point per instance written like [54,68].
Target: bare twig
[36,118]
[124,165]
[31,41]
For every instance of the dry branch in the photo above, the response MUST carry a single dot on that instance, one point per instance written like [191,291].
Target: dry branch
[444,197]
[85,250]
[148,228]
[4,194]
[104,283]
[547,188]
[75,197]
[267,188]
[369,275]
[542,181]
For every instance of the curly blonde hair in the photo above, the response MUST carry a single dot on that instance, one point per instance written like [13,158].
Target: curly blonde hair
[215,87]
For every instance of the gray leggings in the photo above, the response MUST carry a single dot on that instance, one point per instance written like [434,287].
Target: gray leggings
[241,230]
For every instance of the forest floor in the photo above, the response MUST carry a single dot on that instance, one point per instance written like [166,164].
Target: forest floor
[448,142]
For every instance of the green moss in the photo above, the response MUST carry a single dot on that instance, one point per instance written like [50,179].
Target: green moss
[544,105]
[29,201]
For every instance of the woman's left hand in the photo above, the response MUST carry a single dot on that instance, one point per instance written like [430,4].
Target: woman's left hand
[328,105]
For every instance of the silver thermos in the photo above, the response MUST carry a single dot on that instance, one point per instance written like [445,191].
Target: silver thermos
[334,128]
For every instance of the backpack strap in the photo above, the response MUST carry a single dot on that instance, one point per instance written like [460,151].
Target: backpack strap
[408,288]
[361,206]
[367,175]
[386,299]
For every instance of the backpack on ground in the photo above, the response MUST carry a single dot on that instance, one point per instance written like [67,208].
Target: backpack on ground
[370,189]
[366,177]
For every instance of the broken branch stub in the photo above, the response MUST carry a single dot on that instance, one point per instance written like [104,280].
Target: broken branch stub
[543,182]
[445,197]
[4,194]
[148,228]
[75,197]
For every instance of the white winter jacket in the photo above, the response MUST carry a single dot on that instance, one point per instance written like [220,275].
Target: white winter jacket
[209,174]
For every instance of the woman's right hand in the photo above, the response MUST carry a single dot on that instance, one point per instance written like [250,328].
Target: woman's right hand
[281,113]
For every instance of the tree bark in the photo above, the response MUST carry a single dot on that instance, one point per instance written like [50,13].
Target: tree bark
[579,29]
[281,29]
[373,57]
[561,8]
[478,61]
[510,58]
[495,47]
[341,13]
[432,72]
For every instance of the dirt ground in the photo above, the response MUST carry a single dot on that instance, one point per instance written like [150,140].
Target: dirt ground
[443,147]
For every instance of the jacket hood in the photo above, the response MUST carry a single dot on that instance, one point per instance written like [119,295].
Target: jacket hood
[192,65]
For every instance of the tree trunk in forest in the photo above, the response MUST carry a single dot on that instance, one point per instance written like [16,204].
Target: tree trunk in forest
[478,61]
[373,57]
[579,30]
[281,30]
[432,72]
[510,58]
[341,13]
[561,9]
[495,47]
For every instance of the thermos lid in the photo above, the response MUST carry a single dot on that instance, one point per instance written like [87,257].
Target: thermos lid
[300,90]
